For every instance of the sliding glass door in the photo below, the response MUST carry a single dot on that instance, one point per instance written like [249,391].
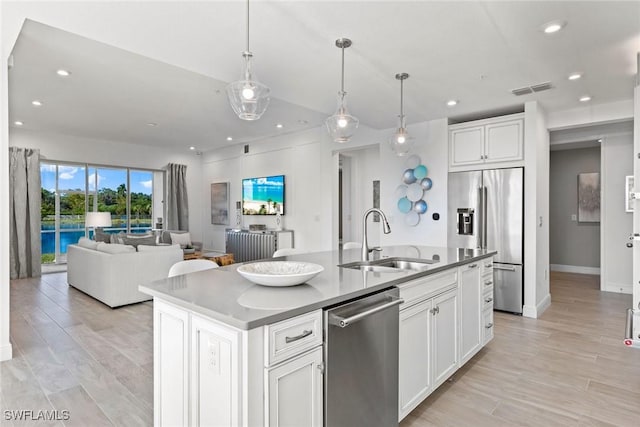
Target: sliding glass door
[70,190]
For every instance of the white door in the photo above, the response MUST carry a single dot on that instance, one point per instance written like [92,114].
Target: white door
[294,396]
[466,146]
[504,141]
[414,360]
[444,336]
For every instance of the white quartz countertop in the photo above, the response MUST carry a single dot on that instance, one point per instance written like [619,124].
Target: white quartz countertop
[223,294]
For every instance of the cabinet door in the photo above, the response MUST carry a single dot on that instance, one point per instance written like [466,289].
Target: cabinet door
[414,360]
[444,337]
[171,365]
[215,374]
[487,330]
[470,294]
[504,141]
[294,396]
[466,146]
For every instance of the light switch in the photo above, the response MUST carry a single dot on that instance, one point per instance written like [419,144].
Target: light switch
[574,217]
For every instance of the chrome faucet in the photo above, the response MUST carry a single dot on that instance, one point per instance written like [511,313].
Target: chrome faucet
[385,227]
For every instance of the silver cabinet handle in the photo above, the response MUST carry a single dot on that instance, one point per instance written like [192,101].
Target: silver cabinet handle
[504,267]
[343,323]
[489,325]
[488,299]
[488,265]
[488,283]
[473,266]
[304,333]
[435,310]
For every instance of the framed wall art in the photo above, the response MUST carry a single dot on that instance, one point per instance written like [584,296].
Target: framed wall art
[589,197]
[628,189]
[220,203]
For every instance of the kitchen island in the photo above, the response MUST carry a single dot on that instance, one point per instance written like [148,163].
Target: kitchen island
[229,352]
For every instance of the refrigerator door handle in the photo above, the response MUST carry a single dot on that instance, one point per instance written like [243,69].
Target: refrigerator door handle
[480,222]
[484,216]
[503,267]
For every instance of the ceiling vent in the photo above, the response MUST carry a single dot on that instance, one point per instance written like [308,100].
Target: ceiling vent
[531,89]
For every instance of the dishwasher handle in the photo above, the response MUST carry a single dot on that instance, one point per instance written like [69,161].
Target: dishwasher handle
[343,322]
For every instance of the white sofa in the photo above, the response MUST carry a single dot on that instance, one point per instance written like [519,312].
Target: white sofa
[113,278]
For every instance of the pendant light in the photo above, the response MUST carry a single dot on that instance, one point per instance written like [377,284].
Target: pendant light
[248,97]
[342,125]
[400,141]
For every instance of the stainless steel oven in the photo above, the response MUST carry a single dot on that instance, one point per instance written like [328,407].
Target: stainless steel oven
[361,362]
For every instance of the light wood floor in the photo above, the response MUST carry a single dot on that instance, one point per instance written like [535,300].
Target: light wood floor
[567,368]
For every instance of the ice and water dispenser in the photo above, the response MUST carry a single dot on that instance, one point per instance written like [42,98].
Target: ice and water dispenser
[465,221]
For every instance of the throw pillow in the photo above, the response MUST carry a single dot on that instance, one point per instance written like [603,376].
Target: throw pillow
[183,239]
[115,248]
[118,238]
[87,243]
[157,248]
[135,241]
[101,236]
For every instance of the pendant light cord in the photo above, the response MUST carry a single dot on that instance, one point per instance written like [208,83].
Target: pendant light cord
[342,78]
[401,99]
[248,51]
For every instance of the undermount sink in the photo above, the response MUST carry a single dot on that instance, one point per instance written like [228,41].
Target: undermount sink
[390,264]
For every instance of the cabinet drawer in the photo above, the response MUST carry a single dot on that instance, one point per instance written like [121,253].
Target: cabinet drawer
[487,300]
[487,284]
[487,268]
[417,290]
[487,326]
[292,336]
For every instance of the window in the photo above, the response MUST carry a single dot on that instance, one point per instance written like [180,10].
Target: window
[71,190]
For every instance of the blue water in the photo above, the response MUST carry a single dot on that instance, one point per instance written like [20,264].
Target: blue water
[263,189]
[71,236]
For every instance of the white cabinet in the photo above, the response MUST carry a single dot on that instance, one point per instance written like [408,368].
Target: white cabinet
[494,140]
[445,336]
[487,300]
[171,365]
[415,356]
[428,338]
[294,395]
[470,293]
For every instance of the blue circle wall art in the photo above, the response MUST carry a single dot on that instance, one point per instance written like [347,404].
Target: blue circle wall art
[411,192]
[409,177]
[426,184]
[404,205]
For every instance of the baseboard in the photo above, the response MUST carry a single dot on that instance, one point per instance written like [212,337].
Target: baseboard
[574,269]
[6,352]
[621,288]
[535,311]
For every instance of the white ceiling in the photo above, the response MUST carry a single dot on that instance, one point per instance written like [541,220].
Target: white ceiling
[164,62]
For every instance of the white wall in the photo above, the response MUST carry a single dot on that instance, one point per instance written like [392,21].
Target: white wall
[536,208]
[431,142]
[306,161]
[110,153]
[617,162]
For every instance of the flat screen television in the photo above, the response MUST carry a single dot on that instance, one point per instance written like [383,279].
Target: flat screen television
[263,196]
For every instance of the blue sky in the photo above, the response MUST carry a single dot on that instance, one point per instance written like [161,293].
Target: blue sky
[73,177]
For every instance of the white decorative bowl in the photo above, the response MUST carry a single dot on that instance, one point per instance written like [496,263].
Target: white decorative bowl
[279,273]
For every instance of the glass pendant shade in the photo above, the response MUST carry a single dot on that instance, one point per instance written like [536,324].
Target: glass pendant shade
[248,97]
[342,125]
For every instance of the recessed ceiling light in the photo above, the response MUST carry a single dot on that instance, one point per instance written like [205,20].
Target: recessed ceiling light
[599,140]
[63,73]
[18,123]
[553,27]
[152,124]
[585,98]
[452,103]
[279,125]
[36,103]
[192,148]
[229,138]
[574,76]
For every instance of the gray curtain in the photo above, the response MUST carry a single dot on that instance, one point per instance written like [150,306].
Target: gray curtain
[24,214]
[177,200]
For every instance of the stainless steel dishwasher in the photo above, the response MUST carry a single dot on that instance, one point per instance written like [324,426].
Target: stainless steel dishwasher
[361,362]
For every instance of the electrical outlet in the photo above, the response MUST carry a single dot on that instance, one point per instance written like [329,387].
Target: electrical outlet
[214,356]
[574,217]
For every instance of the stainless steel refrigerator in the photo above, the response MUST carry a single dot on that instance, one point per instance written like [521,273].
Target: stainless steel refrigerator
[485,210]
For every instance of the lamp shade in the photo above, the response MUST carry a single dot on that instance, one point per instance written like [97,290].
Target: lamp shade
[98,219]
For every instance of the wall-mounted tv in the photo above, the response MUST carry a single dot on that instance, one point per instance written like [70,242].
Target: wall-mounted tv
[263,196]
